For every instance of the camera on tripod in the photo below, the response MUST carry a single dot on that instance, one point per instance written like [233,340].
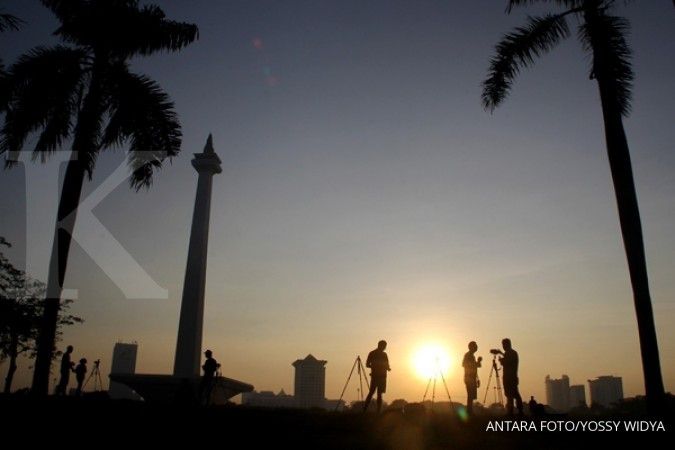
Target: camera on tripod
[495,370]
[96,375]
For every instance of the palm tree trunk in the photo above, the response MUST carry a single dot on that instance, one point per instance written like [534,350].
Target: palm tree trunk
[631,230]
[65,222]
[13,352]
[85,145]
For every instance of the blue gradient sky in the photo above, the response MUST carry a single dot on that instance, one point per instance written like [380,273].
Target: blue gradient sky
[366,195]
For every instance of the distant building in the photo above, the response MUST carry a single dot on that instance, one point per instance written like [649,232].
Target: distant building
[577,396]
[558,393]
[123,362]
[606,390]
[310,382]
[268,399]
[562,397]
[310,390]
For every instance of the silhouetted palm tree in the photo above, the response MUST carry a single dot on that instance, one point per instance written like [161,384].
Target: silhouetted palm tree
[8,22]
[603,37]
[84,93]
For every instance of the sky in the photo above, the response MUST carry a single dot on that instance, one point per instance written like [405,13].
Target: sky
[366,195]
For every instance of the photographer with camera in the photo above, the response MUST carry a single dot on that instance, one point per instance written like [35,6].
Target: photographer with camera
[471,365]
[509,362]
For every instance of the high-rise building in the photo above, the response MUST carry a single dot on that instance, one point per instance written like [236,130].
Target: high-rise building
[558,393]
[310,382]
[123,362]
[577,395]
[606,390]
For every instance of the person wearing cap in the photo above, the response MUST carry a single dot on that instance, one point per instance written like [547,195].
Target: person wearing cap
[210,368]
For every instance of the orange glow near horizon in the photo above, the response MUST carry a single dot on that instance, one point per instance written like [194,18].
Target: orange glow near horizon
[430,360]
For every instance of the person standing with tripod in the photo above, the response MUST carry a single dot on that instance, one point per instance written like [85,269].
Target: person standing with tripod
[378,362]
[510,377]
[471,365]
[80,372]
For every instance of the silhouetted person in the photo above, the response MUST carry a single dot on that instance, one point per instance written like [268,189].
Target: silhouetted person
[532,404]
[471,365]
[66,368]
[536,409]
[378,362]
[210,368]
[80,372]
[510,377]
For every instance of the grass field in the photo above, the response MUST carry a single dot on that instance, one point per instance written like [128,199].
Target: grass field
[97,422]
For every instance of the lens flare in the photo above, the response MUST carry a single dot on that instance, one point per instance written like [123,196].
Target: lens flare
[431,360]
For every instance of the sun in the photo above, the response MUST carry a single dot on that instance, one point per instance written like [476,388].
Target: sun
[430,360]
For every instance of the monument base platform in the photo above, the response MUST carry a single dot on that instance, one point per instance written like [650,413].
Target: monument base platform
[172,389]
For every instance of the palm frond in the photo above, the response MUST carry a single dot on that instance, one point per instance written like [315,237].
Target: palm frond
[39,96]
[143,116]
[64,9]
[604,36]
[121,28]
[95,103]
[149,31]
[518,49]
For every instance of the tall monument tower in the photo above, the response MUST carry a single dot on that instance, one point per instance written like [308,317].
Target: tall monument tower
[164,388]
[189,345]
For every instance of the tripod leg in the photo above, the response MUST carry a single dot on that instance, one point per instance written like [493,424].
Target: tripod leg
[446,388]
[347,383]
[365,377]
[426,390]
[500,398]
[361,375]
[89,378]
[487,388]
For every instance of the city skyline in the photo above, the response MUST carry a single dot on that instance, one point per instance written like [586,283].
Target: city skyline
[366,195]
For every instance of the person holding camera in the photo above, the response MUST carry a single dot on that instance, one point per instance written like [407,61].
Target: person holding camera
[510,377]
[471,365]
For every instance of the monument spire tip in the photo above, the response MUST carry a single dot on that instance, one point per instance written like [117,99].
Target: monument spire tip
[208,148]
